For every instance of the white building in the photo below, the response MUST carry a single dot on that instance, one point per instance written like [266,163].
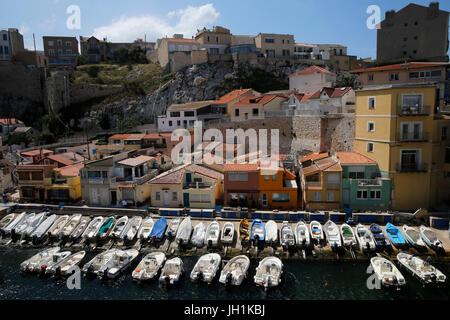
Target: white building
[311,79]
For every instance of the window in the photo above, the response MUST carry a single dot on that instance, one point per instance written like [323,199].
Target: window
[189,114]
[375,194]
[1,49]
[214,50]
[68,52]
[356,172]
[412,100]
[51,52]
[330,196]
[255,111]
[317,196]
[371,103]
[270,40]
[236,112]
[5,37]
[280,197]
[59,43]
[405,39]
[444,133]
[447,155]
[170,123]
[174,196]
[361,194]
[274,177]
[105,174]
[370,77]
[178,123]
[158,196]
[409,159]
[369,147]
[266,178]
[425,74]
[60,52]
[411,130]
[51,43]
[175,114]
[370,126]
[217,39]
[393,76]
[238,176]
[209,39]
[68,44]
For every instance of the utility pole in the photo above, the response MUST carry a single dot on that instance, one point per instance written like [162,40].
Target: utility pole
[34,42]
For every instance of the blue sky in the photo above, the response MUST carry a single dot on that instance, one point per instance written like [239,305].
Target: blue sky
[311,21]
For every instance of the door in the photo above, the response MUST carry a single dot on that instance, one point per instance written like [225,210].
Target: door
[264,199]
[188,178]
[186,200]
[94,196]
[166,198]
[346,196]
[114,197]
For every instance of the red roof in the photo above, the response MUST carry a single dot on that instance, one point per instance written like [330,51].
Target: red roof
[254,100]
[157,136]
[231,96]
[311,70]
[331,92]
[35,152]
[403,66]
[353,158]
[60,159]
[10,121]
[138,136]
[173,176]
[70,171]
[204,171]
[314,156]
[119,137]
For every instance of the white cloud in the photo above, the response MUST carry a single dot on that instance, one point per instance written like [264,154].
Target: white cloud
[128,29]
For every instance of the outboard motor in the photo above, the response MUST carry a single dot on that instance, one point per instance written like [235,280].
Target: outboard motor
[209,243]
[34,240]
[105,274]
[200,276]
[228,279]
[58,271]
[367,246]
[433,278]
[13,235]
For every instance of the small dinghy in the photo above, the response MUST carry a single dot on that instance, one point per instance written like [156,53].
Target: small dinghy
[79,229]
[171,272]
[145,229]
[184,231]
[413,237]
[198,236]
[70,226]
[235,271]
[39,233]
[34,262]
[131,229]
[387,273]
[93,227]
[18,219]
[118,263]
[287,238]
[380,239]
[95,266]
[158,229]
[332,233]
[257,231]
[227,236]
[348,236]
[365,238]
[244,230]
[173,228]
[106,226]
[316,231]
[271,232]
[118,227]
[268,272]
[422,270]
[430,238]
[22,226]
[302,238]
[395,235]
[33,225]
[206,267]
[149,266]
[212,234]
[64,267]
[7,220]
[58,226]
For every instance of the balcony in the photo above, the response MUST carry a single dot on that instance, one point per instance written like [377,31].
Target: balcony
[405,110]
[198,185]
[369,182]
[411,137]
[412,167]
[137,180]
[333,186]
[313,184]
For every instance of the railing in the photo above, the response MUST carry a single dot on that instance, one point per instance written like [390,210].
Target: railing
[405,110]
[369,182]
[406,137]
[313,184]
[197,185]
[138,181]
[412,167]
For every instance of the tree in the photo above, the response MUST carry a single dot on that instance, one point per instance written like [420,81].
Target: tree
[128,123]
[82,61]
[93,71]
[18,138]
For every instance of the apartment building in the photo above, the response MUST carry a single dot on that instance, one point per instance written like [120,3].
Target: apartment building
[64,185]
[311,79]
[178,52]
[228,100]
[241,185]
[11,43]
[275,45]
[31,181]
[256,107]
[99,50]
[60,50]
[216,40]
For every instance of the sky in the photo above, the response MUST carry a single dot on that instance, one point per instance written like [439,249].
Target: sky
[310,21]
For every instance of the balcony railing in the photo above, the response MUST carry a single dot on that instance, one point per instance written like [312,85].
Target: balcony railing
[197,185]
[411,137]
[369,182]
[412,167]
[313,184]
[405,110]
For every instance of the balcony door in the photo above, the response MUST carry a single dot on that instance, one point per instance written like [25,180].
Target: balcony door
[410,159]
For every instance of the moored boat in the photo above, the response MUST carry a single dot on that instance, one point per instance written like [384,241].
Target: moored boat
[158,229]
[65,266]
[287,238]
[268,272]
[235,271]
[33,225]
[302,238]
[57,226]
[17,219]
[7,220]
[244,230]
[257,231]
[413,237]
[420,269]
[271,232]
[348,236]
[198,235]
[171,272]
[332,234]
[131,229]
[365,238]
[33,262]
[387,273]
[430,238]
[227,235]
[206,267]
[119,227]
[93,227]
[395,235]
[316,231]
[380,239]
[22,226]
[149,266]
[145,229]
[79,229]
[39,233]
[96,265]
[70,226]
[106,226]
[184,231]
[119,262]
[212,234]
[173,228]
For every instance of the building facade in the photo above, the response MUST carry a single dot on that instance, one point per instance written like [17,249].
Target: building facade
[275,45]
[61,50]
[311,79]
[11,42]
[216,40]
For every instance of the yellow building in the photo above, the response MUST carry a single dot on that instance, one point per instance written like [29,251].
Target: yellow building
[64,185]
[400,127]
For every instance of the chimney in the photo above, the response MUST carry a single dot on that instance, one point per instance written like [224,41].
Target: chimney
[433,9]
[41,153]
[390,14]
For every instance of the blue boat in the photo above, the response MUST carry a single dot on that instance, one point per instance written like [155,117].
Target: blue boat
[380,239]
[158,229]
[395,235]
[257,230]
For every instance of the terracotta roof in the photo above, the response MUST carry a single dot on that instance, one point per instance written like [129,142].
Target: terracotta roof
[310,170]
[119,137]
[402,66]
[60,159]
[173,176]
[139,136]
[326,163]
[241,167]
[254,100]
[10,121]
[353,158]
[331,92]
[314,156]
[75,157]
[311,70]
[137,161]
[204,171]
[231,96]
[157,136]
[35,152]
[70,171]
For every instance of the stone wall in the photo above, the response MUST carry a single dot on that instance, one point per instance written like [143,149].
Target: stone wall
[82,92]
[21,82]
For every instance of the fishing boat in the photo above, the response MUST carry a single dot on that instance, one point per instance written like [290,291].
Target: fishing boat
[271,232]
[145,229]
[316,231]
[257,231]
[8,228]
[413,237]
[420,269]
[39,233]
[212,234]
[65,266]
[198,236]
[118,227]
[173,228]
[93,227]
[158,229]
[149,266]
[365,238]
[95,266]
[395,235]
[119,262]
[244,230]
[348,236]
[7,220]
[171,272]
[332,233]
[106,226]
[206,267]
[287,238]
[235,271]
[79,229]
[268,272]
[184,231]
[70,226]
[57,226]
[387,273]
[131,229]
[430,238]
[33,262]
[227,236]
[380,240]
[302,237]
[22,226]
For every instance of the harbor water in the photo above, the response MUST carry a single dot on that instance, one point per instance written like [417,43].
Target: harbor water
[301,280]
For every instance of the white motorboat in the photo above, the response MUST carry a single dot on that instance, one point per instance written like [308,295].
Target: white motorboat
[54,260]
[332,233]
[171,272]
[430,238]
[65,266]
[302,237]
[198,236]
[212,234]
[23,225]
[348,236]
[271,232]
[7,220]
[57,226]
[42,229]
[387,273]
[131,229]
[33,225]
[145,229]
[184,231]
[118,228]
[413,237]
[118,263]
[149,266]
[316,231]
[235,271]
[18,219]
[206,267]
[96,265]
[173,227]
[79,229]
[70,226]
[34,262]
[93,227]
[287,238]
[227,235]
[422,270]
[365,238]
[268,272]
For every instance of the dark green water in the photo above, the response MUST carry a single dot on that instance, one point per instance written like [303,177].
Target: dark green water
[302,280]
